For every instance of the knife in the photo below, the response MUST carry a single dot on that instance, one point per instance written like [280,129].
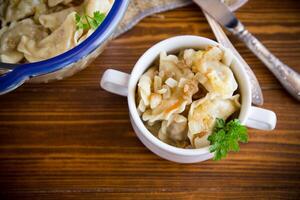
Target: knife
[289,78]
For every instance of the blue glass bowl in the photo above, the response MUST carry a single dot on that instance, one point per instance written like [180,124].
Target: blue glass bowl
[70,62]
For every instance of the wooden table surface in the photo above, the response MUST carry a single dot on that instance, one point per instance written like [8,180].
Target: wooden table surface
[72,140]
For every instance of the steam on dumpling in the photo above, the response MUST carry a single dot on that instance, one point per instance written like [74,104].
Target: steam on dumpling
[66,34]
[11,36]
[203,114]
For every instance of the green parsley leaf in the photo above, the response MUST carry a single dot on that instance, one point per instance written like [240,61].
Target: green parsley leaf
[99,17]
[77,17]
[86,22]
[226,137]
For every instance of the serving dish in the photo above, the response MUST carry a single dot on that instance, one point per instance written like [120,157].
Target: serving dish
[70,62]
[124,84]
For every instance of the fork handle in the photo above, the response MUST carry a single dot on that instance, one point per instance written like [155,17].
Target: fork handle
[289,78]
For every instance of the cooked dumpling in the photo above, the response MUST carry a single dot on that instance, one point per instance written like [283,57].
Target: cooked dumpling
[174,101]
[214,75]
[180,100]
[166,91]
[11,36]
[3,6]
[189,57]
[67,34]
[217,77]
[52,3]
[46,23]
[144,88]
[19,9]
[165,110]
[174,131]
[54,20]
[203,114]
[169,67]
[100,5]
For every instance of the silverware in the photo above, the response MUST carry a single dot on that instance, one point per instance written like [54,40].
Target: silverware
[257,96]
[289,78]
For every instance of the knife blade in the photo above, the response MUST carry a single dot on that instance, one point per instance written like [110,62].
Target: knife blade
[219,11]
[288,78]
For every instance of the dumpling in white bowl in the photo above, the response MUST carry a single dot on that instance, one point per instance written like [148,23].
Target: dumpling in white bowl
[213,71]
[174,131]
[174,100]
[144,88]
[203,114]
[181,97]
[170,67]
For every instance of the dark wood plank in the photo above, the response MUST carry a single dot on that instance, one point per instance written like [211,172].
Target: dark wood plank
[72,140]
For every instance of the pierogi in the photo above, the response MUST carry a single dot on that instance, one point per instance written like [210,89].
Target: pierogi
[180,97]
[35,30]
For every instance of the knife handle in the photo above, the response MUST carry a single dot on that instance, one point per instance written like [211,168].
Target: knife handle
[289,78]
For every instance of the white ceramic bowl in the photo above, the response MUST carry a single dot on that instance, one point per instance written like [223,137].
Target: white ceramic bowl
[125,85]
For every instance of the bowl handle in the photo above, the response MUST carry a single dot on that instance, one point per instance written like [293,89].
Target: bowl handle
[262,119]
[115,82]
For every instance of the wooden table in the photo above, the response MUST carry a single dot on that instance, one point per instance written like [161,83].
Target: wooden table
[72,140]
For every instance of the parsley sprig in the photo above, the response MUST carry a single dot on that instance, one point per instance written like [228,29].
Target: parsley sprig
[86,22]
[226,137]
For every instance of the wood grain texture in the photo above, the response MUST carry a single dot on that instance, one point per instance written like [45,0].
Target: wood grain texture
[72,140]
